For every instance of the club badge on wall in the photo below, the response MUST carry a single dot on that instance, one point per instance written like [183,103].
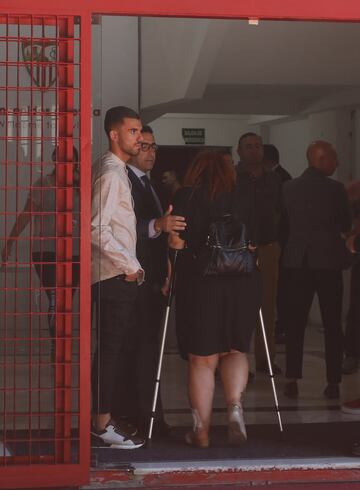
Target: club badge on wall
[40,58]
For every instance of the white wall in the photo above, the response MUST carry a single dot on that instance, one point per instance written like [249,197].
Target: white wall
[115,70]
[291,138]
[220,130]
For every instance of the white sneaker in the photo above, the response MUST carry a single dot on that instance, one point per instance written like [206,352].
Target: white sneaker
[112,436]
[236,425]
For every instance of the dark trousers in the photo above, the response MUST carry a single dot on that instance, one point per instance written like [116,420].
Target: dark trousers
[268,256]
[352,329]
[114,299]
[302,284]
[281,302]
[139,360]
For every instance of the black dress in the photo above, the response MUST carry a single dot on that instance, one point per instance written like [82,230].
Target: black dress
[213,314]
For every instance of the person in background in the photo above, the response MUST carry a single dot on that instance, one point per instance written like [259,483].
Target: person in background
[116,271]
[262,189]
[314,256]
[215,316]
[272,162]
[352,328]
[40,211]
[353,407]
[170,181]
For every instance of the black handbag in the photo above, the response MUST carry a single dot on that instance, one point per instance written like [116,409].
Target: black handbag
[226,251]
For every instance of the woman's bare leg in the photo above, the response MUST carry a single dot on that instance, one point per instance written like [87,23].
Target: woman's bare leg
[234,372]
[201,385]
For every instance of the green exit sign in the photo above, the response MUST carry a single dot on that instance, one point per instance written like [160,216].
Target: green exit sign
[194,136]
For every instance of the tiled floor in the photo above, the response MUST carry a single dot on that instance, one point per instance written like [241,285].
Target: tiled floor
[311,405]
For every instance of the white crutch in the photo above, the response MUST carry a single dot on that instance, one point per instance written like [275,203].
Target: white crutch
[162,347]
[270,370]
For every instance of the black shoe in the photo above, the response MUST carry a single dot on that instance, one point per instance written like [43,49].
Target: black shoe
[162,430]
[332,391]
[115,437]
[350,365]
[127,427]
[356,449]
[291,389]
[264,368]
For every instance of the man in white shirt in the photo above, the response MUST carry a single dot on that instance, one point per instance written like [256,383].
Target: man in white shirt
[116,272]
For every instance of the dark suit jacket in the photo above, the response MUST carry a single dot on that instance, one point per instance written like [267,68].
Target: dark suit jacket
[282,173]
[318,212]
[151,252]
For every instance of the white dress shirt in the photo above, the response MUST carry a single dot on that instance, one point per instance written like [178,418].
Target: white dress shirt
[113,221]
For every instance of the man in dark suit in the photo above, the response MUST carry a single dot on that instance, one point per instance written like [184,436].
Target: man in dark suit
[272,162]
[314,256]
[138,366]
[263,189]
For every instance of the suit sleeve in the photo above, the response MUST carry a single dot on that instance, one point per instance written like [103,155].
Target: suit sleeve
[357,244]
[142,228]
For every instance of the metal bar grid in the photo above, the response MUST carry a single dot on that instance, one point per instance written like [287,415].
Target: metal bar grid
[39,242]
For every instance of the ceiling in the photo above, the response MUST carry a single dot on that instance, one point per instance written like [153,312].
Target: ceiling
[231,67]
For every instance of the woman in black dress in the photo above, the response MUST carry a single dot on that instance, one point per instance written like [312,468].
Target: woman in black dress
[216,316]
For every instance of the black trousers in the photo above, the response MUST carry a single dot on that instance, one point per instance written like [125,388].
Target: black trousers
[139,358]
[302,284]
[114,299]
[352,329]
[281,302]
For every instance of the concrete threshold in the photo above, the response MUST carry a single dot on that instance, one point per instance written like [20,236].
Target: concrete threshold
[226,472]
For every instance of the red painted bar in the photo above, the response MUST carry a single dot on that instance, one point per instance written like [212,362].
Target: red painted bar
[263,9]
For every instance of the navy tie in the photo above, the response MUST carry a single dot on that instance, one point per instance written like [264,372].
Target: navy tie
[150,196]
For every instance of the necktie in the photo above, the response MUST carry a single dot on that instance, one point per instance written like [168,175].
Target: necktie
[150,196]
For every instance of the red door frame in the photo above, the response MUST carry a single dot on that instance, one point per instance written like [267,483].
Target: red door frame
[61,475]
[236,9]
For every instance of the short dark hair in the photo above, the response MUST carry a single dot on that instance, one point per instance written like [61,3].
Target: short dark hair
[271,153]
[116,115]
[147,129]
[246,135]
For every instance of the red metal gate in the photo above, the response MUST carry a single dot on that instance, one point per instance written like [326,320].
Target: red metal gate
[44,223]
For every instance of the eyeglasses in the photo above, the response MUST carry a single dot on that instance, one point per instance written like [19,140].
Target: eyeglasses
[148,146]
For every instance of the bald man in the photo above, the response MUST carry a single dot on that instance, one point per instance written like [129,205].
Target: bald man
[314,256]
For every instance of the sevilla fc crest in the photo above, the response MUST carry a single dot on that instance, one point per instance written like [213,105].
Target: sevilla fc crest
[40,58]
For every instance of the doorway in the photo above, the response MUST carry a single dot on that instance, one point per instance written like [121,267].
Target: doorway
[285,90]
